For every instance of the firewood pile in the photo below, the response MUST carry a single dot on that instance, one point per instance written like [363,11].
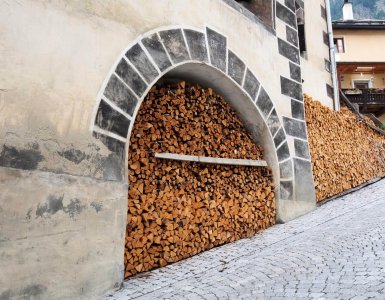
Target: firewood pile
[178,209]
[345,152]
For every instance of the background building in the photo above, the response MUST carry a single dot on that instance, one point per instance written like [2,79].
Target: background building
[360,59]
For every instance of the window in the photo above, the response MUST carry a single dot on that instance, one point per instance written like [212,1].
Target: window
[300,13]
[362,84]
[339,45]
[263,9]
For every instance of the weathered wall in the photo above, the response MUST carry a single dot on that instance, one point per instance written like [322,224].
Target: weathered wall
[60,236]
[55,57]
[314,74]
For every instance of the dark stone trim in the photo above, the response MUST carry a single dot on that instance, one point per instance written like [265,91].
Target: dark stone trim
[292,36]
[283,152]
[131,77]
[248,14]
[157,52]
[325,37]
[303,178]
[297,110]
[300,3]
[111,120]
[273,122]
[286,169]
[328,66]
[295,128]
[323,12]
[295,72]
[286,15]
[290,4]
[113,165]
[142,63]
[235,67]
[217,48]
[251,84]
[119,94]
[289,51]
[196,42]
[264,103]
[286,190]
[279,137]
[301,149]
[291,88]
[330,91]
[175,45]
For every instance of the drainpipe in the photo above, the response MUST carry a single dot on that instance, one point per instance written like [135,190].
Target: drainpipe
[332,57]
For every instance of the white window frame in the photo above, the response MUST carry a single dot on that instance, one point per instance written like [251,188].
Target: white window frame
[363,80]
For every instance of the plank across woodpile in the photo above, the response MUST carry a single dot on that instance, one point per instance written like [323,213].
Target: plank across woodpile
[178,209]
[345,152]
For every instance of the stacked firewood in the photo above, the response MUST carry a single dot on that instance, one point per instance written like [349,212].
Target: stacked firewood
[345,152]
[178,209]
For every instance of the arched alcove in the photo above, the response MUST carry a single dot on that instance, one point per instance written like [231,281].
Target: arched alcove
[201,57]
[204,58]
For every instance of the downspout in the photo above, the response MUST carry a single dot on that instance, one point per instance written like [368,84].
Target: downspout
[332,57]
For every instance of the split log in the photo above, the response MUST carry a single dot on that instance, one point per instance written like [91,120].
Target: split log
[177,209]
[345,152]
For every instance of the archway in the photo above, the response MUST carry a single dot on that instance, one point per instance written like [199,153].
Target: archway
[204,58]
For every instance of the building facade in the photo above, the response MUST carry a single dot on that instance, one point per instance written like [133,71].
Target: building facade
[73,76]
[360,61]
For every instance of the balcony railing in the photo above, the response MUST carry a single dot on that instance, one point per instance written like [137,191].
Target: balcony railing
[364,97]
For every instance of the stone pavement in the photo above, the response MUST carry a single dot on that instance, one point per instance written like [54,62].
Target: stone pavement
[335,252]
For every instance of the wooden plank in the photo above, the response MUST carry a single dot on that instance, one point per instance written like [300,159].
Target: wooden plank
[212,160]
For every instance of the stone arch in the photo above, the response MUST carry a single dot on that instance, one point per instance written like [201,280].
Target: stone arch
[205,58]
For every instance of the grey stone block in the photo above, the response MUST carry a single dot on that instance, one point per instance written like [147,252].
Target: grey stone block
[113,166]
[174,43]
[301,149]
[139,59]
[283,152]
[295,128]
[118,93]
[286,169]
[264,103]
[290,4]
[291,88]
[217,49]
[251,84]
[109,119]
[286,15]
[297,110]
[295,72]
[304,180]
[286,190]
[289,51]
[280,137]
[273,122]
[292,36]
[157,52]
[196,42]
[235,68]
[131,77]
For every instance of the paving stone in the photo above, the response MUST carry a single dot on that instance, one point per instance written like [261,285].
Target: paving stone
[318,256]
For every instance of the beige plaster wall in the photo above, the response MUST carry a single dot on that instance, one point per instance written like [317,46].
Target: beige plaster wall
[361,45]
[55,56]
[378,80]
[313,63]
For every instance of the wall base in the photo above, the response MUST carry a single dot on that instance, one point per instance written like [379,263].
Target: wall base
[61,237]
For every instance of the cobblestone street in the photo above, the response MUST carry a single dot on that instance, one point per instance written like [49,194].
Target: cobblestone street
[335,252]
